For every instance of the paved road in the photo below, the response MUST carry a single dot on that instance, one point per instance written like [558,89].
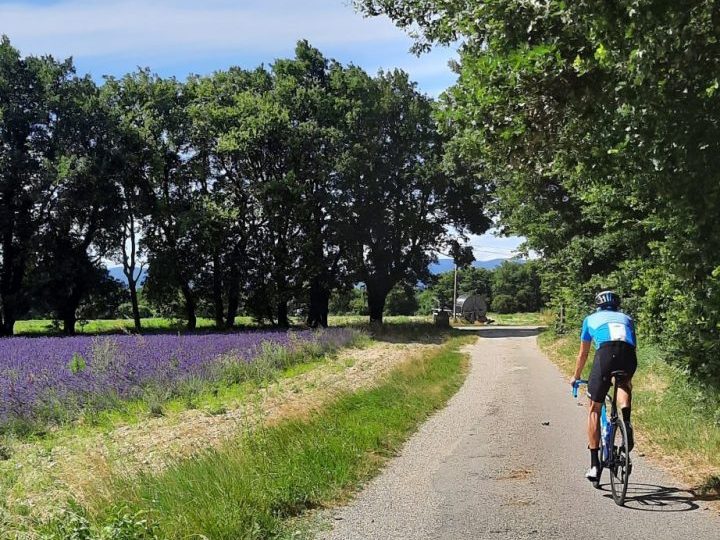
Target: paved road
[487,467]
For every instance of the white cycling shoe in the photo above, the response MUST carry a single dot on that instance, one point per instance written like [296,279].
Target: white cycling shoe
[592,474]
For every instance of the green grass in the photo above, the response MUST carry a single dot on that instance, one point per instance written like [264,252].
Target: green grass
[110,326]
[39,327]
[250,487]
[539,318]
[673,415]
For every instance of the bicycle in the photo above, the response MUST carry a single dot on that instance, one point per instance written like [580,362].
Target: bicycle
[614,453]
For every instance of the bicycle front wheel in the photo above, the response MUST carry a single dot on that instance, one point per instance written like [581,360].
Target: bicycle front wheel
[620,465]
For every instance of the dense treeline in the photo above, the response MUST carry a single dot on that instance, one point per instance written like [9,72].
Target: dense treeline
[512,287]
[246,190]
[597,127]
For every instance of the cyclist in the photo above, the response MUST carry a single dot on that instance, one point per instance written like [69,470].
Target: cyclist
[613,333]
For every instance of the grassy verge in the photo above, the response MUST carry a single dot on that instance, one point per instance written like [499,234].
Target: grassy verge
[43,327]
[250,487]
[676,421]
[539,318]
[39,327]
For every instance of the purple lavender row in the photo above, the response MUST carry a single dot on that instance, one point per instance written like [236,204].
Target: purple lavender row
[48,378]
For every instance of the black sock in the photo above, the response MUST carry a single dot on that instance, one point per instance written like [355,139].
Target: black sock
[626,414]
[594,457]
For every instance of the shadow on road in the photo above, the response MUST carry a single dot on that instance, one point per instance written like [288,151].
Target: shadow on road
[653,498]
[503,332]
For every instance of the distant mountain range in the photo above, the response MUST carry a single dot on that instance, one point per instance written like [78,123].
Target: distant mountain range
[446,265]
[443,265]
[116,272]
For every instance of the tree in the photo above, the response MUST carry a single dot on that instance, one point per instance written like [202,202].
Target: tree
[519,286]
[172,229]
[138,162]
[313,89]
[82,207]
[399,199]
[28,118]
[401,300]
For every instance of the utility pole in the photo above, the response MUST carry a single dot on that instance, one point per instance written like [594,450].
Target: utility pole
[455,295]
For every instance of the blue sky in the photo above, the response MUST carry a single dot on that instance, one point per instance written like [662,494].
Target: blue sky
[180,37]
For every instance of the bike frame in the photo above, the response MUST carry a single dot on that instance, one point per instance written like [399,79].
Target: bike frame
[607,425]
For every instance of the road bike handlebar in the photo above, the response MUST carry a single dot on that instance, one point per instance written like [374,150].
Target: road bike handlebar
[577,385]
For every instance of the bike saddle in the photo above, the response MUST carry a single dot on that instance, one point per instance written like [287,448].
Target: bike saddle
[619,374]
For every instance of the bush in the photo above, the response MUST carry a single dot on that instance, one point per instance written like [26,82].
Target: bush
[504,303]
[125,311]
[401,301]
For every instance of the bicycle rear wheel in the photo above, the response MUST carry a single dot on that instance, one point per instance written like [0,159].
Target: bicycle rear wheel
[620,465]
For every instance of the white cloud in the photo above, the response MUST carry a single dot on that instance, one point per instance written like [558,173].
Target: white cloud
[178,37]
[125,27]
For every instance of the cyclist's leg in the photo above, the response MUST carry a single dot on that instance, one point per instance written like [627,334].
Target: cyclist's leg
[593,425]
[624,394]
[626,361]
[598,386]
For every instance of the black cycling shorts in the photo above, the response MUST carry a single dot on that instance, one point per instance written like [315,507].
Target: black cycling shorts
[611,356]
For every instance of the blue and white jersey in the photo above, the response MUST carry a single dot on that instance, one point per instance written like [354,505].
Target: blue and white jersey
[606,325]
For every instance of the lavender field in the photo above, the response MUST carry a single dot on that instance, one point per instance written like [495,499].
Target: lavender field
[55,379]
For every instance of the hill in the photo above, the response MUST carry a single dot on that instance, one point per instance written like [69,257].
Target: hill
[446,265]
[116,272]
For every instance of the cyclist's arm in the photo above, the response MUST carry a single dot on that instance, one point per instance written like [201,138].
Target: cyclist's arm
[585,341]
[581,360]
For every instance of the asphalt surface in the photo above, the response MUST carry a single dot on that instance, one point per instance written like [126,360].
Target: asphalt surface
[488,466]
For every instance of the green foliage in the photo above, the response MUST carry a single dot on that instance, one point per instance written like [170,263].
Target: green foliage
[516,287]
[470,281]
[77,364]
[74,525]
[510,288]
[401,301]
[504,303]
[596,127]
[125,310]
[257,191]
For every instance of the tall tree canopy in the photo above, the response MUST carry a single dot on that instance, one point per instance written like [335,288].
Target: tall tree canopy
[257,191]
[401,199]
[596,126]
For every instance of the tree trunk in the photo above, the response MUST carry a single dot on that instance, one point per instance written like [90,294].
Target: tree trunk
[282,314]
[189,307]
[319,304]
[7,325]
[11,282]
[376,303]
[233,299]
[69,324]
[68,317]
[135,305]
[217,293]
[7,319]
[68,311]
